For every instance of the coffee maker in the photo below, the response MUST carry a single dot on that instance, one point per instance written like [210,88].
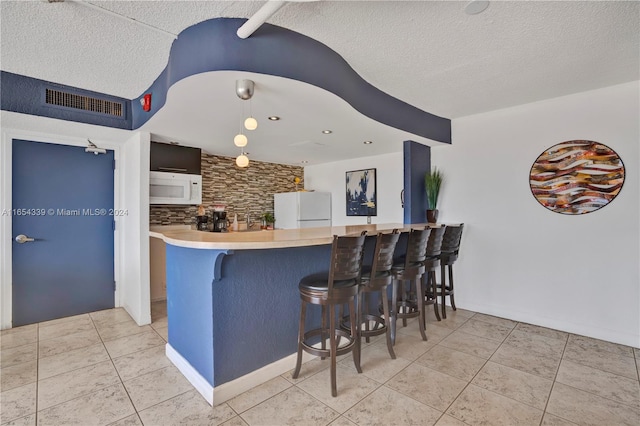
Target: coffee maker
[219,221]
[202,223]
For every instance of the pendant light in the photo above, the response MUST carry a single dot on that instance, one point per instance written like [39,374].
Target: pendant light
[244,90]
[242,160]
[240,140]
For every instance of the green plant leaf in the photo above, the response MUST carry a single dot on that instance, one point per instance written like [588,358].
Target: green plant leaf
[432,183]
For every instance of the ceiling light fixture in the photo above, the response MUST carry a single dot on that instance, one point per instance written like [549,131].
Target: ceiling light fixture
[242,160]
[250,123]
[475,7]
[244,90]
[304,162]
[240,140]
[367,142]
[327,132]
[274,118]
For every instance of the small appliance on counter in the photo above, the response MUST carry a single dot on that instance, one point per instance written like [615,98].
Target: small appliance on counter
[202,223]
[219,221]
[202,220]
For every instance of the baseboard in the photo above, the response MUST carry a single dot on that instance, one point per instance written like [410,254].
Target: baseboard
[191,374]
[226,391]
[589,330]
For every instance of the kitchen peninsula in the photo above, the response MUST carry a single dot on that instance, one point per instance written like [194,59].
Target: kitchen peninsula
[233,302]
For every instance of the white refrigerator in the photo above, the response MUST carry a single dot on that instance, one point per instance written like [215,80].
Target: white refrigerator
[295,210]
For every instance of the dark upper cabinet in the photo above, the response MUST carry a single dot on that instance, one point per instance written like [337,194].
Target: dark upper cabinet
[175,158]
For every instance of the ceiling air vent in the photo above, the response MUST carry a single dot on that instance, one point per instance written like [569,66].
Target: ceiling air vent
[85,103]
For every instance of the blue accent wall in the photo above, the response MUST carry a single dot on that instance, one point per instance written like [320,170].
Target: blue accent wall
[417,162]
[213,45]
[190,275]
[26,95]
[249,318]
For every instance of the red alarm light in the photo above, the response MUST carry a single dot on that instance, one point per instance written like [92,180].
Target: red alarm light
[146,102]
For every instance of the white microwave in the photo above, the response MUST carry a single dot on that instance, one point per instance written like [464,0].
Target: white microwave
[175,188]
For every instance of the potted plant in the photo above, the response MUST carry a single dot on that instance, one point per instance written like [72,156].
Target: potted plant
[267,219]
[432,182]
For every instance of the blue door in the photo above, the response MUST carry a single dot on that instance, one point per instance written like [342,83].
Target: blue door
[63,200]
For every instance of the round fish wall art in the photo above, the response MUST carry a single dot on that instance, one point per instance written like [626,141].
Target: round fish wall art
[576,177]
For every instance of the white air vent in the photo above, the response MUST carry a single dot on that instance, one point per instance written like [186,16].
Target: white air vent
[85,103]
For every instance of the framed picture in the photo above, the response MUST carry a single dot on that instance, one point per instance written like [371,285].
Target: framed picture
[576,177]
[361,193]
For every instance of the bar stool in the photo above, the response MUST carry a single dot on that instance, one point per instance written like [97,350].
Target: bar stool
[448,256]
[410,269]
[331,289]
[377,278]
[431,263]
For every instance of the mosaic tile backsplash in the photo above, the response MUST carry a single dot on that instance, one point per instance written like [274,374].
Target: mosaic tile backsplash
[242,190]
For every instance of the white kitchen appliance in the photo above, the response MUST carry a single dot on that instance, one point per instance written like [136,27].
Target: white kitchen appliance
[175,188]
[302,209]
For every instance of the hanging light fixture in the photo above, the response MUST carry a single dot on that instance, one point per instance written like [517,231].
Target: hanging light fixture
[244,90]
[240,140]
[250,123]
[242,160]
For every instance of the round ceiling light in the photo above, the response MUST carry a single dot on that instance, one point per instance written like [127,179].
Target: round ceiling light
[274,118]
[242,160]
[240,140]
[326,132]
[476,7]
[250,123]
[367,142]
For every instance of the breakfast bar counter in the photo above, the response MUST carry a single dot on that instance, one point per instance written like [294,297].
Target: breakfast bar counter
[233,302]
[185,236]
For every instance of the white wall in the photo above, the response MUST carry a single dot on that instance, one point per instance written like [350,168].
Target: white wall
[131,193]
[521,261]
[330,177]
[135,255]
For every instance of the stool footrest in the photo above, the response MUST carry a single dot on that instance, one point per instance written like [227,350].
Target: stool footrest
[327,352]
[379,326]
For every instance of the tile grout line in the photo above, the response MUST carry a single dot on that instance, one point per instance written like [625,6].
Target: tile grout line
[474,376]
[117,372]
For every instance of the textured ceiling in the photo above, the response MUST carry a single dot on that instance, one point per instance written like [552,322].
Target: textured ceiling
[429,54]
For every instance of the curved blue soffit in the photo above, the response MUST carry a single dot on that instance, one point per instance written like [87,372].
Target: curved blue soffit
[214,46]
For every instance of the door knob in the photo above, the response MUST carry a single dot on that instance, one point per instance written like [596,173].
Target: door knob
[23,239]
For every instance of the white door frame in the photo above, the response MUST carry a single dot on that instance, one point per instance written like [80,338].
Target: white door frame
[6,222]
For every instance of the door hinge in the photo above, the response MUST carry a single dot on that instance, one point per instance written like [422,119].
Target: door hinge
[114,286]
[114,224]
[114,164]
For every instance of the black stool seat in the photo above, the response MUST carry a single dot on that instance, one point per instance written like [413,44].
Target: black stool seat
[320,282]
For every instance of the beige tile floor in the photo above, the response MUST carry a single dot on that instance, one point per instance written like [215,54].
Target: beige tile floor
[101,368]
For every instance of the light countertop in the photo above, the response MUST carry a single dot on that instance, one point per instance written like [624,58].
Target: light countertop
[184,236]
